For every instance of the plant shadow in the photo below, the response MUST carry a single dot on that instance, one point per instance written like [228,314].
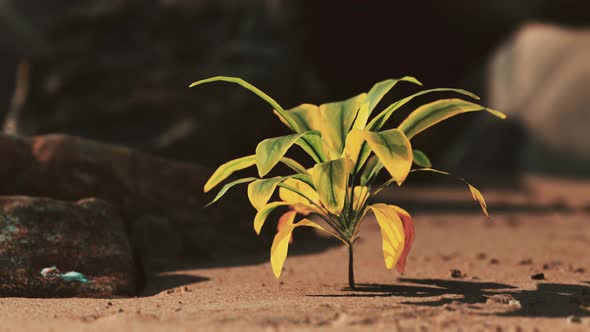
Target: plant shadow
[547,300]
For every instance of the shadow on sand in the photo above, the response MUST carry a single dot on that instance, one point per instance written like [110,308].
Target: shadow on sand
[548,300]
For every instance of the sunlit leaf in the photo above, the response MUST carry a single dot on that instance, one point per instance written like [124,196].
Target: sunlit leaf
[374,97]
[280,244]
[263,214]
[303,190]
[292,164]
[330,180]
[228,186]
[421,159]
[409,234]
[227,169]
[236,80]
[286,220]
[260,191]
[372,168]
[361,193]
[392,232]
[430,114]
[270,151]
[305,116]
[336,120]
[478,197]
[475,193]
[378,121]
[394,150]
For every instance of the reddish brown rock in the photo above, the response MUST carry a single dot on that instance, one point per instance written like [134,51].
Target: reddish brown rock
[87,236]
[161,201]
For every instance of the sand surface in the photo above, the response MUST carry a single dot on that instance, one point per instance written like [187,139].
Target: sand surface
[543,230]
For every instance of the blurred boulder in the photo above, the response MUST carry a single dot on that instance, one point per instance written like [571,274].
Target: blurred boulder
[541,78]
[161,201]
[87,236]
[118,72]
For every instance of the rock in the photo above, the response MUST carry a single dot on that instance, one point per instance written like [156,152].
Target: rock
[540,79]
[538,276]
[574,319]
[454,273]
[118,72]
[161,201]
[526,261]
[87,236]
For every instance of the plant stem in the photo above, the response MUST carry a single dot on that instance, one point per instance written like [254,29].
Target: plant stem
[350,267]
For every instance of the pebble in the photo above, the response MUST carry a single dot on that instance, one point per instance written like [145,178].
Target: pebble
[515,303]
[538,276]
[454,273]
[494,261]
[574,319]
[526,261]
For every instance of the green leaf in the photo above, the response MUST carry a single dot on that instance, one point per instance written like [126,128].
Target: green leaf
[270,151]
[292,164]
[330,180]
[228,186]
[305,116]
[371,170]
[260,191]
[382,117]
[430,114]
[227,169]
[421,159]
[394,150]
[392,232]
[280,244]
[336,120]
[236,80]
[264,212]
[374,97]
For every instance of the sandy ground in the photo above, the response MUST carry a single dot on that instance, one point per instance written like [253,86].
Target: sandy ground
[546,230]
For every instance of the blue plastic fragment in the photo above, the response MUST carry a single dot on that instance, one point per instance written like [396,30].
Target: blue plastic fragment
[74,276]
[53,272]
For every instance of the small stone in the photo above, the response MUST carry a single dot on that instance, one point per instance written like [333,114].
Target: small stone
[580,270]
[178,309]
[170,291]
[186,289]
[121,310]
[538,276]
[526,261]
[482,255]
[515,303]
[109,303]
[551,265]
[454,273]
[494,261]
[574,319]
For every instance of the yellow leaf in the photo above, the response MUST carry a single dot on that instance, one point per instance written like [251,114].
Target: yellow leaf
[292,197]
[263,213]
[478,197]
[337,119]
[330,180]
[227,169]
[394,150]
[260,191]
[430,114]
[374,97]
[280,244]
[392,232]
[353,145]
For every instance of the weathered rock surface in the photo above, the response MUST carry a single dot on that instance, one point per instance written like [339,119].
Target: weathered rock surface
[541,78]
[118,72]
[87,236]
[161,201]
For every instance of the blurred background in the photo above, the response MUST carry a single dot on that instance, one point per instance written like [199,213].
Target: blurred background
[117,71]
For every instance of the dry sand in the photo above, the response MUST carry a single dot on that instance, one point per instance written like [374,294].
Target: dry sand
[547,231]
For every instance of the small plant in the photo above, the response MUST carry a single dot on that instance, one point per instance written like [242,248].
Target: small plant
[349,149]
